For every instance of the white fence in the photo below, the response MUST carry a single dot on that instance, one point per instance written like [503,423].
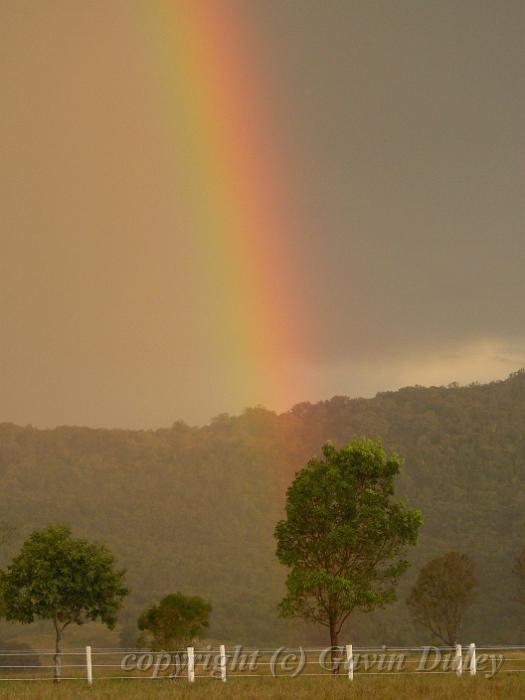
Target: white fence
[227,664]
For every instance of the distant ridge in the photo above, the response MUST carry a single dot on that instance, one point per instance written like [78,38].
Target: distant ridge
[193,509]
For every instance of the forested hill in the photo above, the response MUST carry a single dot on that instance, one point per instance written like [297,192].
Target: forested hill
[193,509]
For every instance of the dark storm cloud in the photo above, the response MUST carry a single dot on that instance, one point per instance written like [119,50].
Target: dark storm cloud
[409,118]
[405,139]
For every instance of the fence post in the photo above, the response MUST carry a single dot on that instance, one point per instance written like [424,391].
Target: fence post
[190,652]
[222,652]
[459,660]
[89,666]
[350,661]
[472,663]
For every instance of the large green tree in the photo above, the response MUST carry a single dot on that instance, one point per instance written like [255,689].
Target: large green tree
[444,590]
[177,620]
[344,537]
[56,577]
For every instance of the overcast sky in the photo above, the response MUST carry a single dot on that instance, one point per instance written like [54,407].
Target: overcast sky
[403,128]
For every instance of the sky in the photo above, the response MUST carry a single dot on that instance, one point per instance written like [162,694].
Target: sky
[225,203]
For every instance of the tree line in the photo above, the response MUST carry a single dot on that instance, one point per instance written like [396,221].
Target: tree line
[464,469]
[344,541]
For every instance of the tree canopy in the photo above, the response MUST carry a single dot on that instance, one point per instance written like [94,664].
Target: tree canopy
[444,590]
[176,621]
[56,577]
[344,536]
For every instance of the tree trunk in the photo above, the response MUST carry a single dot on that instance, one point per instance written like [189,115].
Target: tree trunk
[58,659]
[334,642]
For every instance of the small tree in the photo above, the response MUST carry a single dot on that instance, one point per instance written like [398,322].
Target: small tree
[65,580]
[519,571]
[444,589]
[176,620]
[344,537]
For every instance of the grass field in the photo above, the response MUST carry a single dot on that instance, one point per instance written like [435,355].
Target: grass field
[326,688]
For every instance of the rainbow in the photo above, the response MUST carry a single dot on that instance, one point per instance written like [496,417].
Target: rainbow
[233,184]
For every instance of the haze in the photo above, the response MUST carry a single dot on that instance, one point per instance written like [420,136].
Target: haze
[403,127]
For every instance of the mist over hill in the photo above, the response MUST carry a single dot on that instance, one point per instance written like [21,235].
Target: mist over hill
[193,509]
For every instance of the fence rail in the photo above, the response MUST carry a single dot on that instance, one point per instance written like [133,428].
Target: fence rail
[224,664]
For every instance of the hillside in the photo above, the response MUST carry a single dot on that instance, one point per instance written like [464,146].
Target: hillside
[193,509]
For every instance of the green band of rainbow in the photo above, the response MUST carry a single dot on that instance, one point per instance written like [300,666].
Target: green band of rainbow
[229,176]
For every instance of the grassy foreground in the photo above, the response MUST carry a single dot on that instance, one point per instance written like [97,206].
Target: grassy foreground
[327,688]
